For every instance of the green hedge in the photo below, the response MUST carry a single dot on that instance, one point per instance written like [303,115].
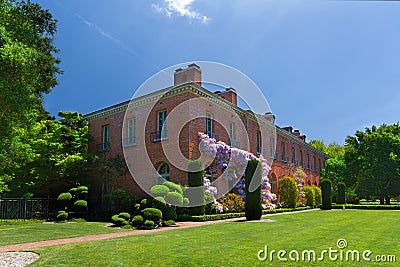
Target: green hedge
[366,207]
[341,197]
[223,216]
[326,188]
[288,192]
[196,180]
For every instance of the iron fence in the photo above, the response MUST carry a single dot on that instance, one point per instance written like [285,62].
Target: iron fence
[27,208]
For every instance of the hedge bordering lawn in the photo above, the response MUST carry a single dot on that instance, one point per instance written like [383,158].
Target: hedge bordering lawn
[223,216]
[366,207]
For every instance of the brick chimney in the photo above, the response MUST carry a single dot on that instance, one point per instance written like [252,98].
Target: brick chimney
[296,133]
[229,94]
[269,116]
[191,74]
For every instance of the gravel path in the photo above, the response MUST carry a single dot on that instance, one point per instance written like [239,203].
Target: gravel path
[14,259]
[17,259]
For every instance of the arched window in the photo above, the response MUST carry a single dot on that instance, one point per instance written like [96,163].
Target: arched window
[163,171]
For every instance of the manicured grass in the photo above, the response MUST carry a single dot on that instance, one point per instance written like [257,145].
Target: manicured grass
[237,243]
[23,233]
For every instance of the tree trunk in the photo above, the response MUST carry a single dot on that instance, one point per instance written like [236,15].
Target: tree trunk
[382,200]
[387,200]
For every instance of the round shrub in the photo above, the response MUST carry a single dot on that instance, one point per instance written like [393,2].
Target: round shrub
[64,197]
[149,224]
[159,203]
[232,203]
[309,195]
[288,192]
[124,215]
[174,198]
[119,221]
[169,223]
[115,218]
[318,195]
[62,216]
[80,205]
[137,221]
[173,187]
[185,202]
[82,188]
[159,190]
[169,213]
[152,214]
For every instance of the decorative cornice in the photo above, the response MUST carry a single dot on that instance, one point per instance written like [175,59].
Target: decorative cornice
[201,92]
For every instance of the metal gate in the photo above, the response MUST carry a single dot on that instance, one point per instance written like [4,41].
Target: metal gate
[27,208]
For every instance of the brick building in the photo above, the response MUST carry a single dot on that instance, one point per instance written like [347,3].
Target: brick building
[158,132]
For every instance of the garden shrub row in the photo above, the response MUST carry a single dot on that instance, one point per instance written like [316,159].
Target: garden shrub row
[366,207]
[223,216]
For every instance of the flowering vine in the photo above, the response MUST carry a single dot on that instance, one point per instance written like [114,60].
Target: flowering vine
[233,162]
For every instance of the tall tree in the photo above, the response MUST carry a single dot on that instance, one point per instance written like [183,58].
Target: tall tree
[61,157]
[28,69]
[373,158]
[335,166]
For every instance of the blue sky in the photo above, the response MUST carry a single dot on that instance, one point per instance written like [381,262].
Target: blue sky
[327,68]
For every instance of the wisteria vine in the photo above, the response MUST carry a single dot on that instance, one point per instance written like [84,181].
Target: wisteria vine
[233,162]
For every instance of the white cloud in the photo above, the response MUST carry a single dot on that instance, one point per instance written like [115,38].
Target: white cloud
[181,8]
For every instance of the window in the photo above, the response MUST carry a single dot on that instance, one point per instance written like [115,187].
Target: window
[209,129]
[272,147]
[294,156]
[232,134]
[163,171]
[106,137]
[284,157]
[131,131]
[258,140]
[161,125]
[308,161]
[301,159]
[319,164]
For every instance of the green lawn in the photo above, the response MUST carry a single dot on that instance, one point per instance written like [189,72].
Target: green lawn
[23,233]
[237,243]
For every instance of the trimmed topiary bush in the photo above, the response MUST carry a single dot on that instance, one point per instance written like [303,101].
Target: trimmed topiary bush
[317,195]
[174,199]
[149,224]
[169,213]
[169,223]
[61,216]
[73,190]
[64,197]
[252,181]
[159,190]
[80,205]
[326,188]
[341,197]
[288,192]
[185,202]
[145,203]
[309,195]
[196,192]
[173,187]
[152,214]
[121,219]
[159,203]
[137,221]
[125,215]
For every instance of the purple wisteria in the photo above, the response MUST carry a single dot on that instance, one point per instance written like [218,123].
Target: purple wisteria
[233,163]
